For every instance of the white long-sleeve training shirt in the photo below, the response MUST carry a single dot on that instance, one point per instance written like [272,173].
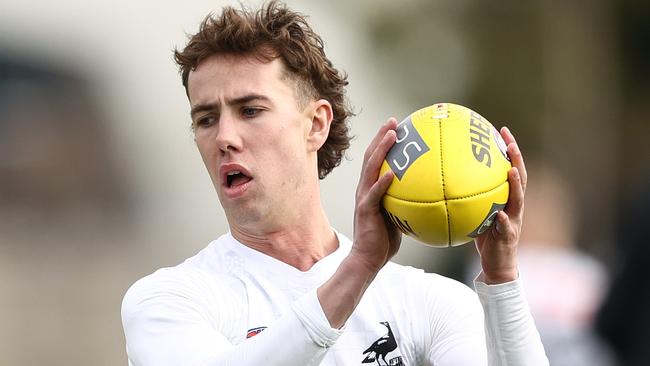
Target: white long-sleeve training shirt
[232,305]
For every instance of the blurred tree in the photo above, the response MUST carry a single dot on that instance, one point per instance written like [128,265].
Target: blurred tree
[54,153]
[624,319]
[581,109]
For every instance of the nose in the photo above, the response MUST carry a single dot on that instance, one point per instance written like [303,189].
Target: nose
[228,137]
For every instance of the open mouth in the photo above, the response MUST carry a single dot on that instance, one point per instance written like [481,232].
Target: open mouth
[236,178]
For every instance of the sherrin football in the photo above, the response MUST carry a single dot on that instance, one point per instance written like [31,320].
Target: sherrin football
[450,175]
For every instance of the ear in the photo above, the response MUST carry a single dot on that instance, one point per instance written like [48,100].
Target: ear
[321,119]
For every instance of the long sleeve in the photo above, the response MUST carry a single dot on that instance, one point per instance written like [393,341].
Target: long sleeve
[511,335]
[172,323]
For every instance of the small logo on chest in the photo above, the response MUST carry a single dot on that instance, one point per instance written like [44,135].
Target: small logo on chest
[254,331]
[380,348]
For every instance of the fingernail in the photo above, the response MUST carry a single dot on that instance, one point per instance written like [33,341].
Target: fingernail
[388,176]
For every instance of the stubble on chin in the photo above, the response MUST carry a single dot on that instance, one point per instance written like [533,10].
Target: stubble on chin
[246,214]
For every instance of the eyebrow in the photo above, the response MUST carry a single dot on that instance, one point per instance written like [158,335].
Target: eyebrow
[203,107]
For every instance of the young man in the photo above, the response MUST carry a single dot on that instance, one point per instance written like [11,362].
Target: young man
[282,287]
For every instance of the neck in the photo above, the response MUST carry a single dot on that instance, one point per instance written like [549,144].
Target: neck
[300,243]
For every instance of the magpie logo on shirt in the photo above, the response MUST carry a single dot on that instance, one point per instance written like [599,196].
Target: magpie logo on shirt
[379,350]
[254,331]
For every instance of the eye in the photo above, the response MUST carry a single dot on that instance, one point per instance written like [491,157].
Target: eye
[250,112]
[204,121]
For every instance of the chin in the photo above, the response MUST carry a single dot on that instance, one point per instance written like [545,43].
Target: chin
[244,216]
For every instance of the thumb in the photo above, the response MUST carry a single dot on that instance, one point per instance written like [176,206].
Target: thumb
[502,224]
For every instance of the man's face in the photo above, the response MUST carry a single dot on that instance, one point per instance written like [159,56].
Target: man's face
[251,135]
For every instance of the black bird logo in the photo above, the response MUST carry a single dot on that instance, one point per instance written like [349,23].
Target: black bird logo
[381,347]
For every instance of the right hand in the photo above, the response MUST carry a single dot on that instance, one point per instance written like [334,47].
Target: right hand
[376,239]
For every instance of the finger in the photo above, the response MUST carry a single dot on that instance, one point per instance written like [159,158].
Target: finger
[377,191]
[372,166]
[505,248]
[390,124]
[504,227]
[379,154]
[501,223]
[515,155]
[515,205]
[507,135]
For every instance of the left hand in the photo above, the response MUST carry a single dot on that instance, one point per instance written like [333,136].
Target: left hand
[497,246]
[376,239]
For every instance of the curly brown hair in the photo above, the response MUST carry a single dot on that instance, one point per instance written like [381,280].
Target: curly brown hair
[273,32]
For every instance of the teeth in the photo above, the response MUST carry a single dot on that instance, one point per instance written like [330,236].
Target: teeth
[234,172]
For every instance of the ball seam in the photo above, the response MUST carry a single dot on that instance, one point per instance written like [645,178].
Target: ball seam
[449,199]
[442,177]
